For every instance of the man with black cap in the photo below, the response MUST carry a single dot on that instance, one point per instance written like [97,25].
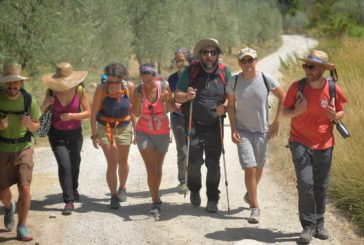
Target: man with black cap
[19,117]
[311,139]
[203,84]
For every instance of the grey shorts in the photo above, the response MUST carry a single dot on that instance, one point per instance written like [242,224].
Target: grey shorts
[253,149]
[158,142]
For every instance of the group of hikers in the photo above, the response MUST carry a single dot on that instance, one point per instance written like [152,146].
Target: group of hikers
[198,96]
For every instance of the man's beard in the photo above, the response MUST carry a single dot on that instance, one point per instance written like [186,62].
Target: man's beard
[209,68]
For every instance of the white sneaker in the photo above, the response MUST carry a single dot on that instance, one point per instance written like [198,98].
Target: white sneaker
[122,195]
[254,216]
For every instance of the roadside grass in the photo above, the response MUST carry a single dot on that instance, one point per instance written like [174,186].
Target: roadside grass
[347,174]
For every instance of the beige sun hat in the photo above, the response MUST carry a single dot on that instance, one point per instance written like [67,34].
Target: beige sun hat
[12,73]
[65,77]
[208,42]
[318,57]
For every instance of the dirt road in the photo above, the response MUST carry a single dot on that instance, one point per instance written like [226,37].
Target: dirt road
[94,223]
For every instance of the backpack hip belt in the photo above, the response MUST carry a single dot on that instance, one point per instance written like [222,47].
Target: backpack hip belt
[116,121]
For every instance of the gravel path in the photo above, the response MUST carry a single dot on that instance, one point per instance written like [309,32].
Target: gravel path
[94,223]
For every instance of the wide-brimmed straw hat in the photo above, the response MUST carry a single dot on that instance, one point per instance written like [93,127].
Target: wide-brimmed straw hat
[65,77]
[318,57]
[12,73]
[208,42]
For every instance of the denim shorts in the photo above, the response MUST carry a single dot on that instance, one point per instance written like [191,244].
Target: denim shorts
[252,149]
[158,142]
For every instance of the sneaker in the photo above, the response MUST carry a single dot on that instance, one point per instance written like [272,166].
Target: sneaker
[9,216]
[156,206]
[22,234]
[68,208]
[76,195]
[182,188]
[306,235]
[122,195]
[114,202]
[212,207]
[321,233]
[254,216]
[195,199]
[246,198]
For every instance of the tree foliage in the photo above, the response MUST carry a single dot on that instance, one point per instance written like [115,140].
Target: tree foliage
[92,33]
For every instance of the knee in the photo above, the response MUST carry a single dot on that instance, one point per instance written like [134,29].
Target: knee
[24,191]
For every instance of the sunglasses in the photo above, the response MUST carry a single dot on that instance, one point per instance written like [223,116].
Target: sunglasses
[307,66]
[246,61]
[207,52]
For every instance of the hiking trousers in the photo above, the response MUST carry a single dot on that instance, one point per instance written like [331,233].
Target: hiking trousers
[178,124]
[205,139]
[66,147]
[312,172]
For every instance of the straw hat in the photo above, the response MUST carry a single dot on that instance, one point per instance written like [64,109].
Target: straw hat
[208,42]
[12,73]
[65,77]
[318,57]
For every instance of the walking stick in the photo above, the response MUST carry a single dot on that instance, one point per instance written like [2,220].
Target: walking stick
[223,157]
[188,143]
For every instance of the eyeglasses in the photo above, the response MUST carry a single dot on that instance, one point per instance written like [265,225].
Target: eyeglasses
[307,66]
[207,52]
[246,61]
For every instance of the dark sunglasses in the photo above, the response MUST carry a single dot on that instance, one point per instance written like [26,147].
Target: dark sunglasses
[307,66]
[207,52]
[248,61]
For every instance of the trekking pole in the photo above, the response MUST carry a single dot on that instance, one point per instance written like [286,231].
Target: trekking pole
[189,130]
[223,157]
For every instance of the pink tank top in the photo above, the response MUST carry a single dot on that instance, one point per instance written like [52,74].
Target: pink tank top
[58,109]
[153,119]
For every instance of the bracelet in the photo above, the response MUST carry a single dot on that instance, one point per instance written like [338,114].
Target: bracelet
[95,136]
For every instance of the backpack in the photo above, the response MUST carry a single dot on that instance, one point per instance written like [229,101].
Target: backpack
[27,105]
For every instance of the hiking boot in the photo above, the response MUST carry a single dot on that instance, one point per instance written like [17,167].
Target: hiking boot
[114,202]
[212,207]
[195,199]
[9,216]
[122,195]
[306,235]
[76,195]
[22,234]
[246,198]
[182,188]
[68,208]
[321,233]
[254,216]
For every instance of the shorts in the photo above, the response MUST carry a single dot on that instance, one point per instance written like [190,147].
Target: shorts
[158,142]
[122,135]
[252,149]
[16,168]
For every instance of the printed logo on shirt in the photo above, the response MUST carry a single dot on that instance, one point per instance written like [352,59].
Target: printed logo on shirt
[324,103]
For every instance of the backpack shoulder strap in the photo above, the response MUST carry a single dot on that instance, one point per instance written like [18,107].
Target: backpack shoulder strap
[301,86]
[194,70]
[266,83]
[222,73]
[332,88]
[139,88]
[236,81]
[27,101]
[80,90]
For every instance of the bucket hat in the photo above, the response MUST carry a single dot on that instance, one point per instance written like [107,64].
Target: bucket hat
[206,43]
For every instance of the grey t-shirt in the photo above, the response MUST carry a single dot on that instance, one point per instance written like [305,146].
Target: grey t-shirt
[252,104]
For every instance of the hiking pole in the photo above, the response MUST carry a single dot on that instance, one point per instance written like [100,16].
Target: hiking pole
[223,157]
[189,130]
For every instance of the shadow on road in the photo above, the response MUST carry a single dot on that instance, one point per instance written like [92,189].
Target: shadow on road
[252,233]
